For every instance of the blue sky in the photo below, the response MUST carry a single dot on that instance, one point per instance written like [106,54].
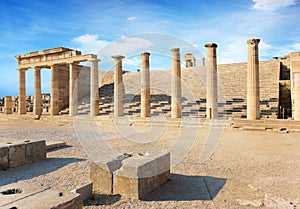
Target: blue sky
[143,25]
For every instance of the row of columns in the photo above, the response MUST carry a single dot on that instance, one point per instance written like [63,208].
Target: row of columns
[253,100]
[73,90]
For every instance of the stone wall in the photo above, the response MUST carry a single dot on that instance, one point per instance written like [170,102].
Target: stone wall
[21,152]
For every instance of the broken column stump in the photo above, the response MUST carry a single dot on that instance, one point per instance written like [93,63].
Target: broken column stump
[130,176]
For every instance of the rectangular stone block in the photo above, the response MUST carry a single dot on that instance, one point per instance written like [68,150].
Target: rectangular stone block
[3,157]
[16,154]
[102,179]
[35,150]
[139,175]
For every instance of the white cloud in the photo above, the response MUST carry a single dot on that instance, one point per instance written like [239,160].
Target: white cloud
[134,61]
[89,43]
[271,5]
[237,51]
[131,18]
[126,46]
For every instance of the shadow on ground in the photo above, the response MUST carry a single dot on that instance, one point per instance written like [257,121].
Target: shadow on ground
[101,199]
[186,188]
[33,170]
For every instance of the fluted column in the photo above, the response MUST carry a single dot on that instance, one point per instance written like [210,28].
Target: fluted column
[8,105]
[253,104]
[94,87]
[22,91]
[54,91]
[297,96]
[176,84]
[37,104]
[212,82]
[118,86]
[145,88]
[73,89]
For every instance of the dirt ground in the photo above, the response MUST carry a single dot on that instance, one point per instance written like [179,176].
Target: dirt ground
[246,169]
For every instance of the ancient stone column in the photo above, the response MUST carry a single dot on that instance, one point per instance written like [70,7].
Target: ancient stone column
[176,84]
[73,89]
[94,87]
[253,109]
[297,96]
[8,105]
[37,103]
[145,88]
[203,61]
[118,86]
[22,91]
[54,91]
[212,82]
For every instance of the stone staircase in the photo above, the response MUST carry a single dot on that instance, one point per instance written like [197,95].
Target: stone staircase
[232,93]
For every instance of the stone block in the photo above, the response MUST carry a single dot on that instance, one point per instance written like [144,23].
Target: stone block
[101,172]
[140,175]
[101,178]
[3,157]
[29,195]
[35,150]
[16,154]
[85,191]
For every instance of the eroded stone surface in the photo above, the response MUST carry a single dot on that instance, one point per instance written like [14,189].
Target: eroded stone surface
[132,177]
[3,157]
[35,151]
[29,195]
[16,154]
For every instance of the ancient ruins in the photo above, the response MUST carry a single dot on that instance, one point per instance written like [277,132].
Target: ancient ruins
[251,95]
[253,90]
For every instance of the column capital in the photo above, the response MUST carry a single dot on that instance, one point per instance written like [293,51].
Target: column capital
[175,50]
[37,68]
[253,41]
[117,57]
[94,59]
[145,53]
[211,45]
[22,69]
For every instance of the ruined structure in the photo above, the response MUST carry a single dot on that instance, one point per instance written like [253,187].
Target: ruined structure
[253,90]
[63,63]
[190,60]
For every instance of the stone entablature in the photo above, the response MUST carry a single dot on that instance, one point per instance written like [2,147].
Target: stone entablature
[49,57]
[64,66]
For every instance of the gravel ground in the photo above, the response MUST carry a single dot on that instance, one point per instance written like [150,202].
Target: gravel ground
[247,169]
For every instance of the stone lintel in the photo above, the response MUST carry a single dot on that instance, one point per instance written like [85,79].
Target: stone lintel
[48,51]
[59,61]
[117,57]
[211,45]
[253,41]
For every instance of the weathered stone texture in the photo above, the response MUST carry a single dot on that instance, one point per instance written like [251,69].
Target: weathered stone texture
[35,151]
[31,195]
[132,177]
[21,152]
[101,178]
[3,157]
[16,154]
